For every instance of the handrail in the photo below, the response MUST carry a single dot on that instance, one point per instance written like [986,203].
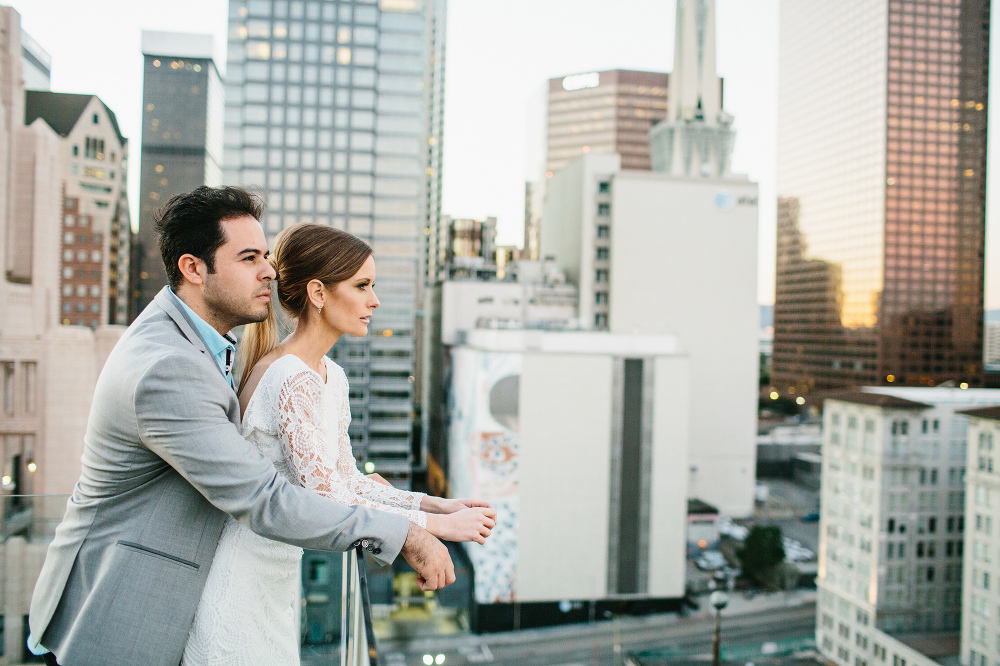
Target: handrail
[357,647]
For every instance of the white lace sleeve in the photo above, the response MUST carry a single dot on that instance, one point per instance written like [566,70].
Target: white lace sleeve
[348,468]
[300,420]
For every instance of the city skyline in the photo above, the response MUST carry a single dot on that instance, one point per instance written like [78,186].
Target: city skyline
[640,38]
[476,62]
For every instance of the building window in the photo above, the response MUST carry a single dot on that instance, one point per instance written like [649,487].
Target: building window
[603,231]
[29,370]
[96,119]
[7,367]
[604,187]
[601,275]
[603,209]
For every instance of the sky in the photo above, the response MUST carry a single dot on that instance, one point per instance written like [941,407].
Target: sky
[499,57]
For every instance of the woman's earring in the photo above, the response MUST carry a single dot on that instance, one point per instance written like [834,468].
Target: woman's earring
[319,310]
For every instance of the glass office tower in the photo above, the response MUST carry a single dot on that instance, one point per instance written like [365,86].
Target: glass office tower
[882,185]
[608,112]
[334,108]
[182,110]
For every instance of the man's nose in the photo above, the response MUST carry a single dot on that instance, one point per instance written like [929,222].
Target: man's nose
[269,272]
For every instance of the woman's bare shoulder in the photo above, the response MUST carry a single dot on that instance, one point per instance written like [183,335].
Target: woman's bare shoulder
[256,374]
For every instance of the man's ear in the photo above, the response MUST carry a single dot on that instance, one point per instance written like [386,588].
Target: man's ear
[192,268]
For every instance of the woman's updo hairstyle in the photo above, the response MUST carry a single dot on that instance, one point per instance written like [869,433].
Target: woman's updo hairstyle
[302,253]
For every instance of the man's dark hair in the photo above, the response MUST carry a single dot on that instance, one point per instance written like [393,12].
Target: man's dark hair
[191,224]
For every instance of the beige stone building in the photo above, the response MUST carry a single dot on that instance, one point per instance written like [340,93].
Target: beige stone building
[48,370]
[96,233]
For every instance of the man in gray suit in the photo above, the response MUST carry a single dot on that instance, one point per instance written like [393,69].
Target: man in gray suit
[164,461]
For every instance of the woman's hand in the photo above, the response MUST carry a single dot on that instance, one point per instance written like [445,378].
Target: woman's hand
[431,504]
[468,524]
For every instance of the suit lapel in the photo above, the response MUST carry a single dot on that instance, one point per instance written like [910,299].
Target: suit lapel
[166,303]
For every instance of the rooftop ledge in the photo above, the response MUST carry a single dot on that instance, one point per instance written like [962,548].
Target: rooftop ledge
[569,342]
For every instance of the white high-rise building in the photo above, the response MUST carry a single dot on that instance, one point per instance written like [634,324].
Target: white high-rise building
[981,583]
[36,64]
[893,524]
[991,343]
[673,252]
[611,412]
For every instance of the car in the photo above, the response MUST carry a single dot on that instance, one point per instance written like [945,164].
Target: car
[710,560]
[811,517]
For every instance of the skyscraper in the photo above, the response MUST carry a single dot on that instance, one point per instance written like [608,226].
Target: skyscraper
[685,232]
[182,107]
[604,112]
[601,113]
[36,64]
[881,179]
[336,110]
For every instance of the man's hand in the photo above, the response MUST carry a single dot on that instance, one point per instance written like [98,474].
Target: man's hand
[429,558]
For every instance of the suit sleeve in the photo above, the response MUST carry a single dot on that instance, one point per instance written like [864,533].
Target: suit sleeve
[184,421]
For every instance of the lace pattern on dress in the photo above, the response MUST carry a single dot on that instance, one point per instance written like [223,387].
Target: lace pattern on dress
[303,420]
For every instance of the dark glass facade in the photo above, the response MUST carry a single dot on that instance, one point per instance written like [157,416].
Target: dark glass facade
[182,109]
[882,282]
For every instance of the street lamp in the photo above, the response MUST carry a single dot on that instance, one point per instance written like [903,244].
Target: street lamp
[718,599]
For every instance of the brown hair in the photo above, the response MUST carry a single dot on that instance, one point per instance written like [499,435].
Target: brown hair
[302,253]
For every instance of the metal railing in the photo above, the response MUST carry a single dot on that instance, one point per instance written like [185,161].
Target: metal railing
[358,646]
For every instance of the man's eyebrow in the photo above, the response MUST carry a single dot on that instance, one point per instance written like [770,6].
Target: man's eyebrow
[250,250]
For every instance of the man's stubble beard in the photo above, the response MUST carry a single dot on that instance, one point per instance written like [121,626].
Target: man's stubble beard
[230,309]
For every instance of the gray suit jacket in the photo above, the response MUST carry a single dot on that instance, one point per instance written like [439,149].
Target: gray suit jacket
[163,464]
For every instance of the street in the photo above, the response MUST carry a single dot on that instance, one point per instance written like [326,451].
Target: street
[595,644]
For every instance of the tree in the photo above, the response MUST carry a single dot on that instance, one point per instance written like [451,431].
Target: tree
[761,554]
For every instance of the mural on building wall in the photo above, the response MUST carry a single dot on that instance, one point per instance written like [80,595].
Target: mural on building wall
[484,458]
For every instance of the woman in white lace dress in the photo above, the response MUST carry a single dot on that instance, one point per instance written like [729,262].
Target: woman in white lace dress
[296,411]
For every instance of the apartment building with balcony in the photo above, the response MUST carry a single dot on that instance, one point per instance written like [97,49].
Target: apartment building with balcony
[893,527]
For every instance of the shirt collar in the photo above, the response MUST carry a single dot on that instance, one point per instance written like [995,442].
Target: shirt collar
[215,341]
